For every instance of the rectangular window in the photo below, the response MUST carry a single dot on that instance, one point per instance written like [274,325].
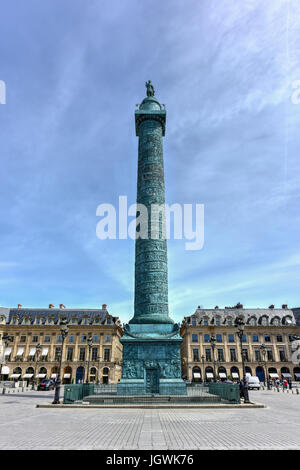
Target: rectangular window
[219,338]
[206,338]
[244,338]
[194,338]
[107,338]
[270,354]
[94,354]
[208,355]
[108,321]
[82,354]
[23,339]
[195,355]
[245,354]
[57,354]
[282,355]
[35,339]
[47,339]
[58,338]
[255,339]
[71,339]
[232,355]
[279,339]
[257,355]
[230,338]
[83,339]
[267,339]
[220,355]
[106,355]
[70,354]
[95,339]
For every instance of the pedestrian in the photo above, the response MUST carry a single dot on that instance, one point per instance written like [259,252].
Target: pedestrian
[285,384]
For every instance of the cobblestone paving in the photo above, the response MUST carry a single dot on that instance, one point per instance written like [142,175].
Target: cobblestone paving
[23,426]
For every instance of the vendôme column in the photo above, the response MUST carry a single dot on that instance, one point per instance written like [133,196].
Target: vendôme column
[151,341]
[151,263]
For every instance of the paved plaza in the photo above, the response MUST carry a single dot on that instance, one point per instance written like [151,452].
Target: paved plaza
[23,426]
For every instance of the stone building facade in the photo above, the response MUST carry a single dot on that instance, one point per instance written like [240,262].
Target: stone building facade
[30,327]
[276,328]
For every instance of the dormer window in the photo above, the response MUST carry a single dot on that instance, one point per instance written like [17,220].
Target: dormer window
[85,320]
[14,320]
[276,321]
[38,321]
[229,321]
[50,320]
[97,320]
[108,321]
[194,321]
[205,321]
[252,321]
[264,321]
[74,320]
[218,321]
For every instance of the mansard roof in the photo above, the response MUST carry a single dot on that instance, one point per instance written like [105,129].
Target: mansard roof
[56,314]
[248,313]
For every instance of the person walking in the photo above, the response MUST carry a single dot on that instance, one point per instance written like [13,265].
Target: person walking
[285,384]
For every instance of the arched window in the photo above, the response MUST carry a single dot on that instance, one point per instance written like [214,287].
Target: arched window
[194,323]
[205,321]
[229,321]
[253,321]
[275,321]
[218,320]
[264,320]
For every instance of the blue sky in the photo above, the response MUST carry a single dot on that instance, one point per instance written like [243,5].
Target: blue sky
[74,71]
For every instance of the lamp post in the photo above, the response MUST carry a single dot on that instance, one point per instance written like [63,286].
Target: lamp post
[64,329]
[264,352]
[203,371]
[240,326]
[37,354]
[213,345]
[90,345]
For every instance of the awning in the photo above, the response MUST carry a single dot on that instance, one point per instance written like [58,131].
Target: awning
[53,376]
[20,351]
[285,374]
[210,375]
[273,375]
[296,374]
[45,351]
[248,374]
[197,374]
[5,370]
[41,376]
[67,376]
[15,376]
[235,375]
[27,376]
[7,351]
[32,351]
[222,375]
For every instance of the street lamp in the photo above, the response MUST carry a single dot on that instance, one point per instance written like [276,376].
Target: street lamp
[90,345]
[203,372]
[213,345]
[264,352]
[37,354]
[64,329]
[240,326]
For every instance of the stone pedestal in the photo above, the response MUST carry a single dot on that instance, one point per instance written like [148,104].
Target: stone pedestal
[151,360]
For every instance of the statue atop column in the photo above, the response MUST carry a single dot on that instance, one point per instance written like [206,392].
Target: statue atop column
[150,88]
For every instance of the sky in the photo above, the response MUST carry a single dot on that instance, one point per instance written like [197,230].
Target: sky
[74,71]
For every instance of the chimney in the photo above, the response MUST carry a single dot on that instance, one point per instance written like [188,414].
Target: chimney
[271,306]
[216,307]
[61,306]
[104,306]
[284,306]
[19,306]
[51,306]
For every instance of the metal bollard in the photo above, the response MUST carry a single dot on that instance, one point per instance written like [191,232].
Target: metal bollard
[3,391]
[297,391]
